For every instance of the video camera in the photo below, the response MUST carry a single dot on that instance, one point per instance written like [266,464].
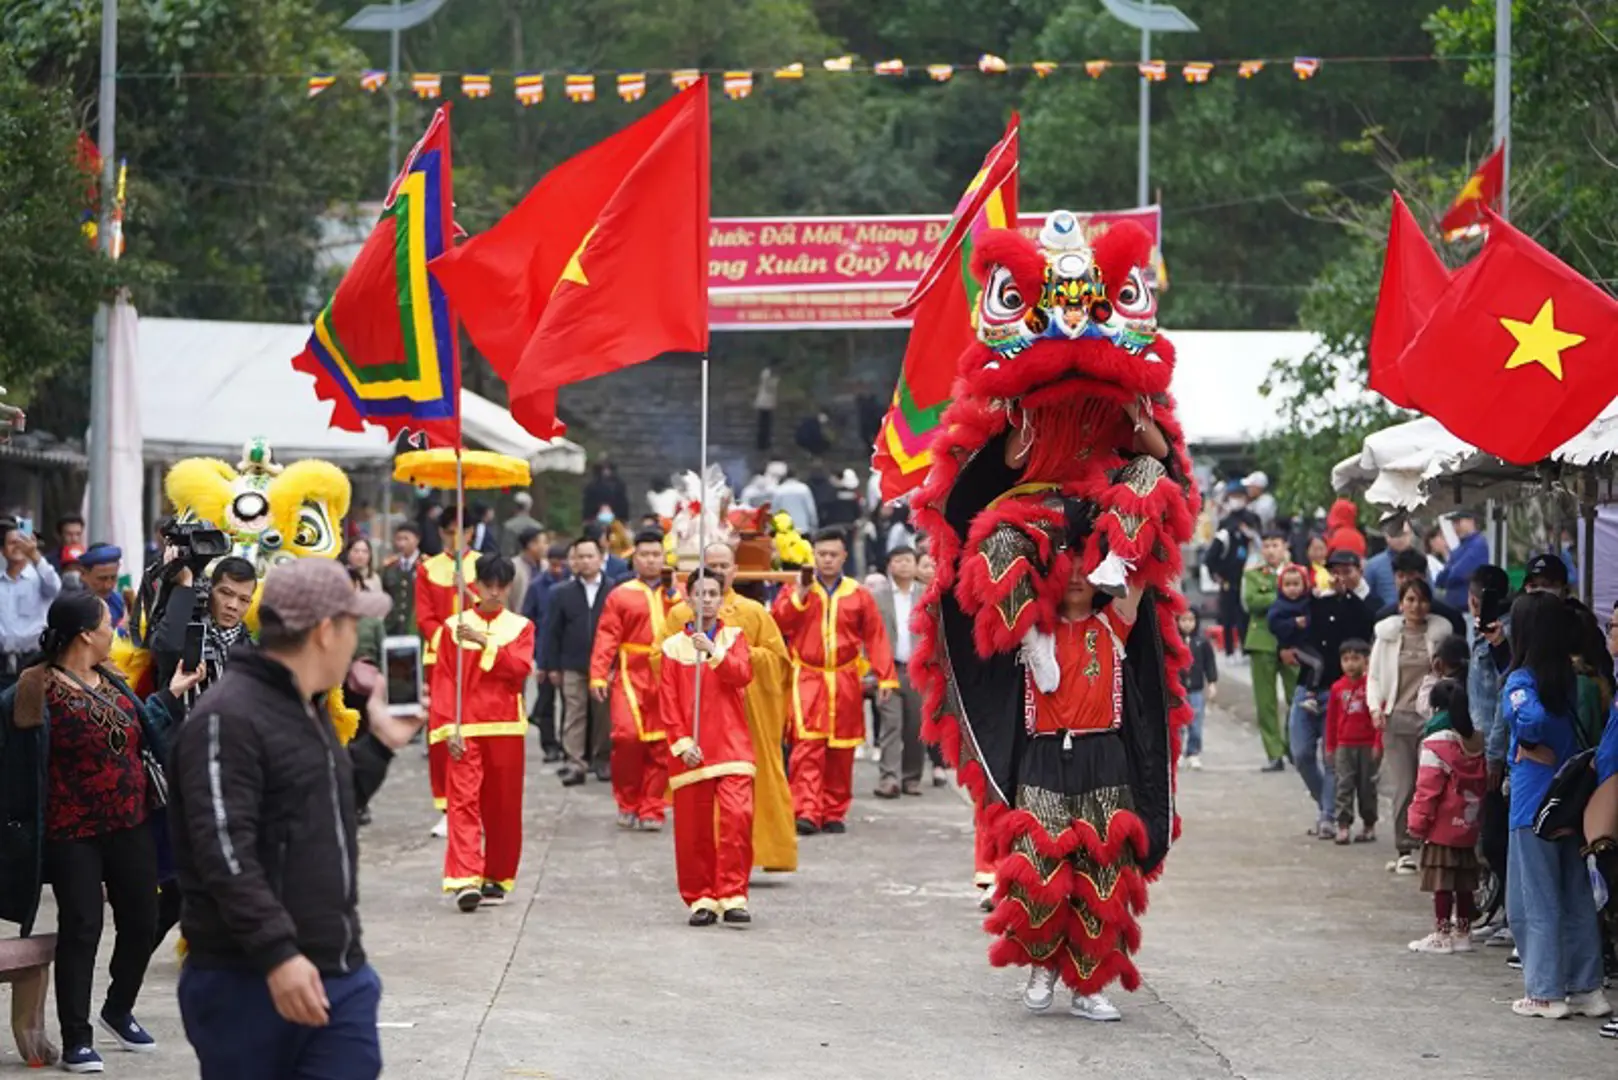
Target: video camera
[197,542]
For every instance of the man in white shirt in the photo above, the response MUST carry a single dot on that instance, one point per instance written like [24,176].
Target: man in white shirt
[793,496]
[899,740]
[27,587]
[1259,499]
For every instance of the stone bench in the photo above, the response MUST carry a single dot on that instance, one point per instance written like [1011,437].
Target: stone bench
[25,963]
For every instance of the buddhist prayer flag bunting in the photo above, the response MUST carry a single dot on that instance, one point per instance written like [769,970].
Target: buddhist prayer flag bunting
[940,72]
[426,84]
[1248,68]
[1094,68]
[1153,70]
[319,83]
[580,87]
[373,79]
[738,84]
[1482,190]
[1197,72]
[384,348]
[942,305]
[791,71]
[1305,67]
[476,85]
[838,63]
[991,64]
[530,89]
[632,85]
[1043,68]
[684,78]
[890,67]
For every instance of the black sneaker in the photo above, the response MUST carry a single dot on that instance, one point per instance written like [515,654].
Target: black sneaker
[552,756]
[738,916]
[703,917]
[81,1059]
[468,899]
[1514,961]
[807,827]
[834,828]
[570,776]
[1275,765]
[128,1033]
[493,894]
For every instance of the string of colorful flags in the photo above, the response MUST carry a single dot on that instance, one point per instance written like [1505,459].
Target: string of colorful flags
[529,86]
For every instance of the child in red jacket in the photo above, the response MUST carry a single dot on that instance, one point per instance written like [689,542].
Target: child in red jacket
[711,762]
[1446,813]
[1353,744]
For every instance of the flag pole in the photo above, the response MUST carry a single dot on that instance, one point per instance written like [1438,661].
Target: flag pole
[460,573]
[702,551]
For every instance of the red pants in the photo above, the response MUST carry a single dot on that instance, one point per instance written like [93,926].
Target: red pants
[438,772]
[713,842]
[485,812]
[822,781]
[640,777]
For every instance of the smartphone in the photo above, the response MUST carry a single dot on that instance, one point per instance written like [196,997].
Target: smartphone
[1492,607]
[806,576]
[401,665]
[191,652]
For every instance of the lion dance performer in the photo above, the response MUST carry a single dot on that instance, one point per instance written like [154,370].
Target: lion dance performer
[1058,500]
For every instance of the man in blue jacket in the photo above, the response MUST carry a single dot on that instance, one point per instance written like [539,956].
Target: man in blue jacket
[536,609]
[1471,553]
[1379,567]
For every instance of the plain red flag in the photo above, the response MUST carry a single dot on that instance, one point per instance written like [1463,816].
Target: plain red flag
[602,265]
[1480,193]
[1518,356]
[1413,279]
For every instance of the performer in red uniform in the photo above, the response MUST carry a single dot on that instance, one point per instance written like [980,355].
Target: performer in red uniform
[711,769]
[623,670]
[436,601]
[827,622]
[495,649]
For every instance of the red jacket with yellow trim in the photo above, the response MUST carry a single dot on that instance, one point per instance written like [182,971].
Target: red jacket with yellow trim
[437,598]
[626,658]
[827,633]
[724,738]
[492,677]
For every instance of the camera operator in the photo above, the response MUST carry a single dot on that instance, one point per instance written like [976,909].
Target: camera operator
[229,594]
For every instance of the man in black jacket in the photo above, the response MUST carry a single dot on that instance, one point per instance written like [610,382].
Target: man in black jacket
[570,633]
[1349,611]
[229,594]
[1411,565]
[262,808]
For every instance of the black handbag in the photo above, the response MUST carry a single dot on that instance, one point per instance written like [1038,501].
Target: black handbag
[1561,811]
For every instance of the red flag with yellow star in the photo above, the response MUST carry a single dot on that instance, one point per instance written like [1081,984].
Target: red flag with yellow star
[1518,355]
[1413,280]
[602,265]
[1480,193]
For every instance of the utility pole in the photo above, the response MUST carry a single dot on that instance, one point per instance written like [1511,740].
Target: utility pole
[1146,16]
[100,448]
[1502,98]
[395,17]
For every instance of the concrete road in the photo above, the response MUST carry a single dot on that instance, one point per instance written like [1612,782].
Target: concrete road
[1266,954]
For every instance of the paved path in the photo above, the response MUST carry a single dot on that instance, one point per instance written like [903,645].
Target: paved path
[1266,955]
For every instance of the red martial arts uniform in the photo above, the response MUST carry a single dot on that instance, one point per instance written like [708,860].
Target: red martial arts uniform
[826,632]
[625,657]
[436,601]
[484,787]
[713,803]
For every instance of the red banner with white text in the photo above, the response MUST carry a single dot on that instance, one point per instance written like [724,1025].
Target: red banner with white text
[844,273]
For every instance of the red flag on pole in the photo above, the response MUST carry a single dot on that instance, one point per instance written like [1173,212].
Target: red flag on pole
[1517,356]
[1480,193]
[602,265]
[1413,279]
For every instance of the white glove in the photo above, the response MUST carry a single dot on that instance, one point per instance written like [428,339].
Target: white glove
[1039,657]
[1112,576]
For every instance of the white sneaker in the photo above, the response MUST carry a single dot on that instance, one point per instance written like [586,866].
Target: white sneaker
[1406,864]
[1194,761]
[1549,1010]
[1594,1003]
[441,829]
[1438,942]
[1501,937]
[1094,1007]
[1459,942]
[1041,989]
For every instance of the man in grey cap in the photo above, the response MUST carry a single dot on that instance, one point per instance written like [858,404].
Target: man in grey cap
[262,804]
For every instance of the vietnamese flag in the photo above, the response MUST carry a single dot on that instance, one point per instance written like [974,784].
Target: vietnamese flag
[1480,192]
[1413,280]
[602,265]
[1518,356]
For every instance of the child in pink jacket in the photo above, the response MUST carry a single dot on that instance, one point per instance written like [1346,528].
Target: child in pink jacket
[1446,813]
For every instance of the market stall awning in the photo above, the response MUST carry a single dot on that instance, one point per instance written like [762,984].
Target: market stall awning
[206,387]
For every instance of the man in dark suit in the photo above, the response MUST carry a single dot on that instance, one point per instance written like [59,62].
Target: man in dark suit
[399,578]
[899,737]
[574,608]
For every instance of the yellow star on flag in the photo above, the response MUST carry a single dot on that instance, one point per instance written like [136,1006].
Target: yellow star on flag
[574,270]
[1540,342]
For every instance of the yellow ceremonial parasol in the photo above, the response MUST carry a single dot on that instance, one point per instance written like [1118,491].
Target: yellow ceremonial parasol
[479,470]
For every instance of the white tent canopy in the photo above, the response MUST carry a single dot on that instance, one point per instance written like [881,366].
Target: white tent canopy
[1407,464]
[207,387]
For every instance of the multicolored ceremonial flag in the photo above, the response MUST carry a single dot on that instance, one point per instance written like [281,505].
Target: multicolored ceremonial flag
[530,88]
[384,349]
[632,85]
[941,72]
[580,88]
[793,70]
[373,79]
[890,67]
[427,84]
[1197,71]
[738,84]
[319,83]
[1306,67]
[1248,68]
[943,304]
[476,84]
[1044,68]
[684,78]
[1481,191]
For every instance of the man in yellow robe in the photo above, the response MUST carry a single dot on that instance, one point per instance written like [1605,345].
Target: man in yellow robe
[775,839]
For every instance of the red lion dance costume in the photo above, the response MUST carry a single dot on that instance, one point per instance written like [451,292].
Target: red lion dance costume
[1046,457]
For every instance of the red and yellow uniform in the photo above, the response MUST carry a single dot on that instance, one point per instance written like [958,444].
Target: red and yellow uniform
[484,787]
[713,803]
[625,658]
[827,632]
[437,600]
